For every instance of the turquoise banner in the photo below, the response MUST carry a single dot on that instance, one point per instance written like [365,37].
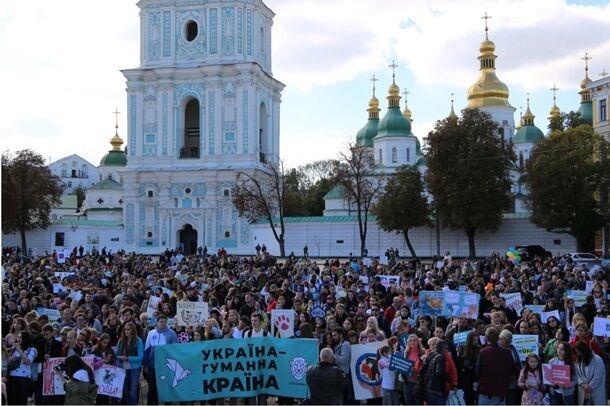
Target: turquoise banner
[234,368]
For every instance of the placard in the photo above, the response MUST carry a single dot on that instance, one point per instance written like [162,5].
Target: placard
[282,320]
[52,314]
[431,303]
[545,315]
[535,308]
[366,378]
[525,344]
[110,380]
[601,327]
[191,313]
[556,374]
[401,364]
[460,338]
[51,384]
[386,280]
[579,296]
[513,301]
[461,304]
[153,305]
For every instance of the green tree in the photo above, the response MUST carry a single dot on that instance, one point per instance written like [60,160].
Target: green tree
[563,178]
[315,182]
[468,173]
[361,184]
[29,191]
[572,119]
[403,204]
[80,197]
[261,194]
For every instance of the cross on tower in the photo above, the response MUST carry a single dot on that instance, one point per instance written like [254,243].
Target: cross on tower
[603,74]
[528,99]
[554,89]
[406,93]
[586,58]
[374,79]
[116,114]
[486,17]
[393,66]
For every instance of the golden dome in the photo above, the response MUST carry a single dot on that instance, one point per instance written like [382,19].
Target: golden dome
[585,82]
[394,90]
[373,102]
[488,90]
[555,111]
[487,46]
[116,142]
[407,113]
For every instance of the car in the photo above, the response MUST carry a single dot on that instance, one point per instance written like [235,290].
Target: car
[589,261]
[583,257]
[529,252]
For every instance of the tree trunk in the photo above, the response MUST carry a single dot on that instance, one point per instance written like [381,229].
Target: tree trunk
[471,245]
[24,248]
[282,249]
[406,234]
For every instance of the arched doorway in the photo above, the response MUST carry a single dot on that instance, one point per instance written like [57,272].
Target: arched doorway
[188,240]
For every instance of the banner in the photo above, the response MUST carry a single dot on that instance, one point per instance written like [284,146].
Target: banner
[460,338]
[401,364]
[431,303]
[234,368]
[282,320]
[191,313]
[525,344]
[545,315]
[386,280]
[535,308]
[52,314]
[366,378]
[579,296]
[555,374]
[110,380]
[513,301]
[51,385]
[461,304]
[601,327]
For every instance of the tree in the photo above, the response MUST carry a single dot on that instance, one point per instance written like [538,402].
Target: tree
[361,184]
[403,204]
[316,181]
[29,191]
[261,194]
[80,193]
[468,173]
[572,119]
[563,178]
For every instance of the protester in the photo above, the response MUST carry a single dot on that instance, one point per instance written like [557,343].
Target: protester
[161,335]
[591,375]
[564,394]
[20,361]
[325,381]
[494,369]
[130,355]
[530,380]
[80,386]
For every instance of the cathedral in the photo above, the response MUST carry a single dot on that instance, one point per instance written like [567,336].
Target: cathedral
[203,105]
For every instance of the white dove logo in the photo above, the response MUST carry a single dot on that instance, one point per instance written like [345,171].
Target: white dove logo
[179,372]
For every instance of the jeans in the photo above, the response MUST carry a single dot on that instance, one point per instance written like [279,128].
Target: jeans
[407,390]
[434,399]
[491,400]
[390,396]
[559,399]
[131,387]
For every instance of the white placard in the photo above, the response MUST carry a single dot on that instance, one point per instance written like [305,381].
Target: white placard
[191,313]
[513,301]
[282,320]
[601,327]
[153,305]
[110,380]
[525,344]
[545,315]
[387,279]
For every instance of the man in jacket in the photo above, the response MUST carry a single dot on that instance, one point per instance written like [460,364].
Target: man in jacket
[325,381]
[434,375]
[494,369]
[160,335]
[343,358]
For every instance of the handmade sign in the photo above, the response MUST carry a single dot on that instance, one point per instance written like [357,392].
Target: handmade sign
[525,344]
[366,378]
[191,313]
[460,338]
[51,384]
[386,280]
[579,296]
[513,301]
[601,327]
[282,320]
[52,314]
[546,315]
[431,303]
[461,304]
[233,368]
[153,305]
[554,374]
[110,380]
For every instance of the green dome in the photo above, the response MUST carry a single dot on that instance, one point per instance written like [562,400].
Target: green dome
[528,133]
[586,112]
[394,124]
[114,158]
[366,133]
[107,184]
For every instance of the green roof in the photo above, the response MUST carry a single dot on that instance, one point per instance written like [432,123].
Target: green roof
[513,216]
[528,133]
[68,202]
[394,124]
[325,219]
[365,136]
[586,112]
[336,192]
[67,221]
[107,184]
[422,161]
[114,158]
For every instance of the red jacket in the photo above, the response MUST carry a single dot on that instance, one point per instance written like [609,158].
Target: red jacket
[452,382]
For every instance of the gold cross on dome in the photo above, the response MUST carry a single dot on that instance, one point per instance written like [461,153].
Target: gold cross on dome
[393,66]
[374,79]
[406,93]
[586,58]
[603,73]
[116,114]
[554,89]
[486,17]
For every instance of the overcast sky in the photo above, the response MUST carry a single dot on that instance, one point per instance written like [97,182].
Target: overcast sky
[61,60]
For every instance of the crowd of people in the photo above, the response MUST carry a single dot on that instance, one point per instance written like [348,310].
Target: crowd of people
[104,308]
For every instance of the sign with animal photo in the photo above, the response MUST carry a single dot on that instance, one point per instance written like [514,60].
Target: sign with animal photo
[431,303]
[366,377]
[51,384]
[153,305]
[191,313]
[282,321]
[110,380]
[461,304]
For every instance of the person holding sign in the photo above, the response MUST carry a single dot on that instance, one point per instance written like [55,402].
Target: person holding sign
[80,386]
[564,394]
[388,378]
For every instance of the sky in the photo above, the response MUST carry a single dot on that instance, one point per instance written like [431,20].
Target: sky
[60,76]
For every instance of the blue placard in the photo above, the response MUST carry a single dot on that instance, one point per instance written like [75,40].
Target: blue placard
[431,303]
[460,338]
[401,364]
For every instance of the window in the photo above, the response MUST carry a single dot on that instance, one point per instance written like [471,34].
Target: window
[149,138]
[69,184]
[187,190]
[227,234]
[226,193]
[229,137]
[408,154]
[394,155]
[59,239]
[380,156]
[603,110]
[150,193]
[149,234]
[191,31]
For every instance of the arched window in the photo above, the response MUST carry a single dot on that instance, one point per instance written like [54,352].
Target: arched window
[226,193]
[190,142]
[263,134]
[64,170]
[150,193]
[408,154]
[380,154]
[83,171]
[394,155]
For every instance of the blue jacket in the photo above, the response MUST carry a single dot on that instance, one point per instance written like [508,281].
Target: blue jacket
[136,360]
[154,338]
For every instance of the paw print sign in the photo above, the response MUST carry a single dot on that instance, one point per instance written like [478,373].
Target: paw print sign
[282,321]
